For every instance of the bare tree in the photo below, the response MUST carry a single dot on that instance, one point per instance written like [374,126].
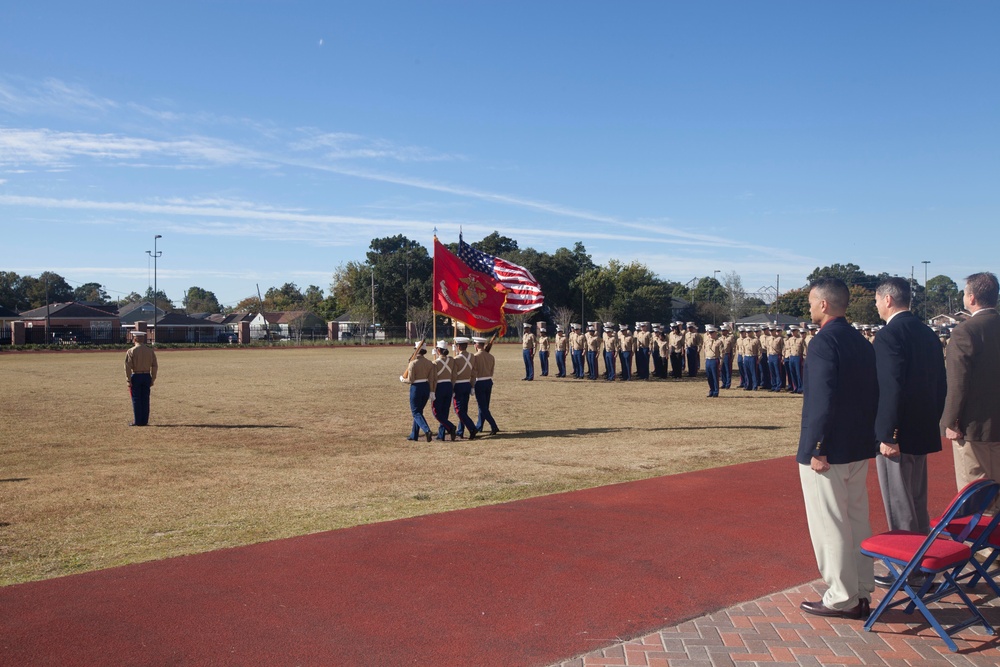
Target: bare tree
[606,314]
[562,316]
[421,317]
[736,297]
[362,314]
[514,322]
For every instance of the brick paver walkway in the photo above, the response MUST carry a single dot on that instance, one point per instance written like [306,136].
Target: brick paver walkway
[772,631]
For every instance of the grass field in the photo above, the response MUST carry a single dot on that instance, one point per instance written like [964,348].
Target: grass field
[251,445]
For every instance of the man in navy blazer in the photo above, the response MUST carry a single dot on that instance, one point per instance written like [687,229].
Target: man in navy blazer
[912,387]
[840,399]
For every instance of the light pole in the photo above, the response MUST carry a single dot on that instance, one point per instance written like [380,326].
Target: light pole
[154,254]
[715,311]
[925,263]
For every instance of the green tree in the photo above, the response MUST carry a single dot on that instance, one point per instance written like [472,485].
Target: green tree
[943,296]
[48,283]
[497,245]
[794,302]
[91,293]
[161,300]
[12,291]
[849,273]
[861,308]
[199,300]
[286,297]
[403,271]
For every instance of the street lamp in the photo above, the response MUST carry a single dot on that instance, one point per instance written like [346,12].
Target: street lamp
[715,318]
[925,263]
[154,254]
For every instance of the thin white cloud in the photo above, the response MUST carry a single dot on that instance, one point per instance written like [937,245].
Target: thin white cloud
[51,96]
[340,146]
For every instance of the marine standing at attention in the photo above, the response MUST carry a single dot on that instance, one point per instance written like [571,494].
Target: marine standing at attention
[140,374]
[676,341]
[593,349]
[543,348]
[528,352]
[420,376]
[562,347]
[626,347]
[713,354]
[610,351]
[693,342]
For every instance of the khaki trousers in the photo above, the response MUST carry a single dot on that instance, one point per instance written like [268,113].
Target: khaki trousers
[976,460]
[837,512]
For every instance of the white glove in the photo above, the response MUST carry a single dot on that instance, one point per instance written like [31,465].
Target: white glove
[432,395]
[402,379]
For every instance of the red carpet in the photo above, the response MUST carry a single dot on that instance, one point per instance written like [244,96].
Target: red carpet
[524,583]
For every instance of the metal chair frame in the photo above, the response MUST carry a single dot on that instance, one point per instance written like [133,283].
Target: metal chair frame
[970,502]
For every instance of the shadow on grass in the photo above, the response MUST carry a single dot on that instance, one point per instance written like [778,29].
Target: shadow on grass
[567,433]
[715,428]
[15,479]
[223,426]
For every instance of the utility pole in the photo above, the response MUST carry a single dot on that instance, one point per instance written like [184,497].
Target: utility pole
[155,254]
[925,262]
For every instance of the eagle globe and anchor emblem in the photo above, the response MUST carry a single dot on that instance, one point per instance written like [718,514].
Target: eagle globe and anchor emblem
[471,292]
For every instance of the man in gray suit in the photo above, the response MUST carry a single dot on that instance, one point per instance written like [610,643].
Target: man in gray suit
[911,382]
[971,416]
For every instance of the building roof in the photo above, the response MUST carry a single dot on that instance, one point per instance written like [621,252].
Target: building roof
[68,310]
[290,317]
[769,318]
[181,320]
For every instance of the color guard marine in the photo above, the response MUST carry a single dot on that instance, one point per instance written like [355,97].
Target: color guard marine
[419,374]
[483,364]
[464,378]
[561,344]
[444,377]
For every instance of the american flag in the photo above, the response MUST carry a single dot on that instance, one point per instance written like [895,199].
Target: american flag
[525,292]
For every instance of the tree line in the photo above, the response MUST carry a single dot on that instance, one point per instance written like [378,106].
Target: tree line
[392,286]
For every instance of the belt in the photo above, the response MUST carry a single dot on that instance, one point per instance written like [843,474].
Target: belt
[418,381]
[461,381]
[490,377]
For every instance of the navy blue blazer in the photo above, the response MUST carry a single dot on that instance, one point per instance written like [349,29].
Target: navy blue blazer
[840,397]
[911,385]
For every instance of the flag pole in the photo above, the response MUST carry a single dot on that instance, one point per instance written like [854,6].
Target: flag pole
[434,319]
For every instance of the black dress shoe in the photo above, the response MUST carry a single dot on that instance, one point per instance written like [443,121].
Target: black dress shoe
[859,611]
[916,580]
[494,431]
[472,434]
[453,435]
[428,436]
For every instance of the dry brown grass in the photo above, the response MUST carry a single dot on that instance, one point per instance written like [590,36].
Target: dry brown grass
[253,445]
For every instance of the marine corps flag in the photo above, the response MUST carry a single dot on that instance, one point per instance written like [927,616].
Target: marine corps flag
[470,297]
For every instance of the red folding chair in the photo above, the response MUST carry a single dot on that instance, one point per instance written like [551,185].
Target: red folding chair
[983,537]
[905,553]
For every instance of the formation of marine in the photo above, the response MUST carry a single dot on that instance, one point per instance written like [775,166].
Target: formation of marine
[765,357]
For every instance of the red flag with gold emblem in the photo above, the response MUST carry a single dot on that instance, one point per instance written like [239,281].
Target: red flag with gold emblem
[470,297]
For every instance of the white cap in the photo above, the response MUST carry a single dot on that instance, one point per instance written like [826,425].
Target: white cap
[480,339]
[442,345]
[461,340]
[418,345]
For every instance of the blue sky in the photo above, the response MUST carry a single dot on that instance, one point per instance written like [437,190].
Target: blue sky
[269,142]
